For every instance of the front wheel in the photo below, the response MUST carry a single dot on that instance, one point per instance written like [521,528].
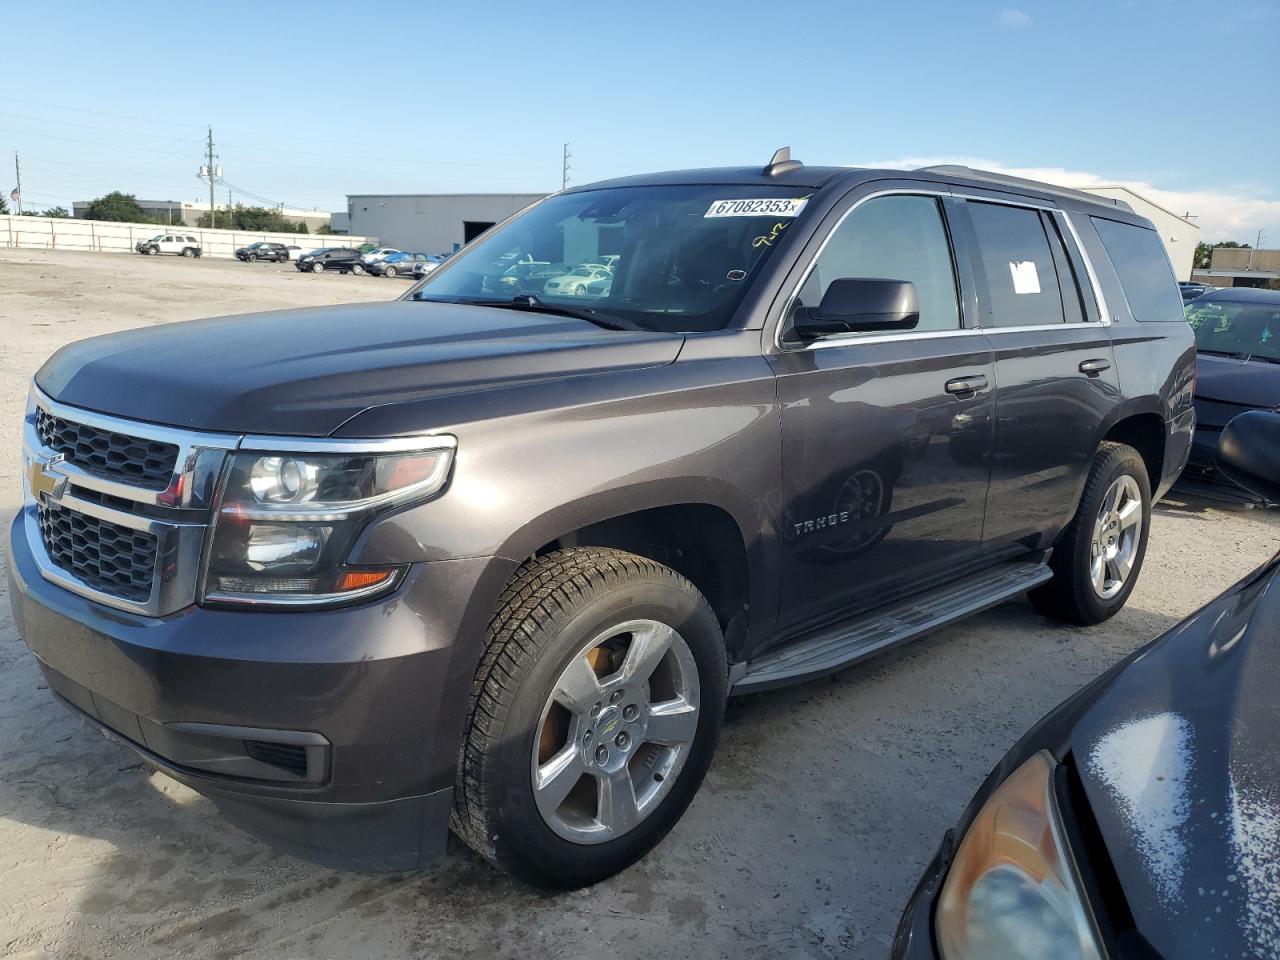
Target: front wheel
[317,267]
[389,272]
[357,269]
[595,712]
[1097,561]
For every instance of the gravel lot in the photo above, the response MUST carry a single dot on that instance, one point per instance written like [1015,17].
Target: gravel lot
[822,807]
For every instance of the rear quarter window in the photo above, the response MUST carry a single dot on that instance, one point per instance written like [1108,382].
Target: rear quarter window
[1143,268]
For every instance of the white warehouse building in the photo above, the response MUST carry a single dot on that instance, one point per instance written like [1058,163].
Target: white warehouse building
[431,222]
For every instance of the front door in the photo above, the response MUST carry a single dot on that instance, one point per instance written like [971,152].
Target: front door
[885,462]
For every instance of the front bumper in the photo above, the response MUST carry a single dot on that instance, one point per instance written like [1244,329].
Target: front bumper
[331,734]
[914,939]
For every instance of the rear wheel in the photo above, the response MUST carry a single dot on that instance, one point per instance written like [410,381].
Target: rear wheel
[594,716]
[1097,561]
[188,252]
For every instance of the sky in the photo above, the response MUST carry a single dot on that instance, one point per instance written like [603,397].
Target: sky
[311,101]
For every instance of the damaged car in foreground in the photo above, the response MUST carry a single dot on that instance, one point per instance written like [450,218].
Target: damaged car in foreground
[1141,817]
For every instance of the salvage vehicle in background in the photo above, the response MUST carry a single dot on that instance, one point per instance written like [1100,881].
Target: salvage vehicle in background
[1191,290]
[494,558]
[398,264]
[575,282]
[263,250]
[1141,817]
[184,245]
[338,259]
[1237,333]
[377,253]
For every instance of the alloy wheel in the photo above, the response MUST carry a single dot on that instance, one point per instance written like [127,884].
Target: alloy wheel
[615,731]
[1117,533]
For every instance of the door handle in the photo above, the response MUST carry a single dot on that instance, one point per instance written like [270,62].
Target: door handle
[1094,367]
[961,385]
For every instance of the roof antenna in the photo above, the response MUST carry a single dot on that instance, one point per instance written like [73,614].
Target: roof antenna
[781,163]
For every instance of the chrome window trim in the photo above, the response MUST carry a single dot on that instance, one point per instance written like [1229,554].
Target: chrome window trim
[844,340]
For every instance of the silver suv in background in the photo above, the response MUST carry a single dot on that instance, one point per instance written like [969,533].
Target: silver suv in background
[182,244]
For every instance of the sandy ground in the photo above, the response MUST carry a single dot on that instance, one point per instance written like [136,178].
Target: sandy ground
[823,805]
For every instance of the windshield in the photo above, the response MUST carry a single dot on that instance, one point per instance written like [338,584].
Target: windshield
[1236,329]
[681,257]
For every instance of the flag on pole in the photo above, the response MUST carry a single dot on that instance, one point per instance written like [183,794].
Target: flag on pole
[14,195]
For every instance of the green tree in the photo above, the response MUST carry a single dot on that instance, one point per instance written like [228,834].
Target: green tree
[4,207]
[56,212]
[117,206]
[302,227]
[1204,252]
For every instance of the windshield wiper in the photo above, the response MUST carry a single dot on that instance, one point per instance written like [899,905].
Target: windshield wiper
[531,304]
[1234,354]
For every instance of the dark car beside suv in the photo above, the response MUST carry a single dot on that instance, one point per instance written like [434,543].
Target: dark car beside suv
[494,559]
[263,250]
[1237,369]
[338,259]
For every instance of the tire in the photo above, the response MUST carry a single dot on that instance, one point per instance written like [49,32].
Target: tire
[1074,594]
[253,258]
[357,269]
[188,252]
[317,267]
[570,608]
[389,272]
[579,290]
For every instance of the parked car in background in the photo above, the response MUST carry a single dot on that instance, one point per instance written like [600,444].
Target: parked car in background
[424,267]
[182,244]
[377,253]
[338,259]
[1191,290]
[1237,333]
[295,252]
[575,282]
[397,264]
[263,250]
[1141,817]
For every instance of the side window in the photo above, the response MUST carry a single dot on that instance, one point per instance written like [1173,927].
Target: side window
[1143,268]
[892,238]
[1069,284]
[1018,262]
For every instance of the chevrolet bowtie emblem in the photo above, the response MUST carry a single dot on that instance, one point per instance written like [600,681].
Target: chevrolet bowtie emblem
[45,485]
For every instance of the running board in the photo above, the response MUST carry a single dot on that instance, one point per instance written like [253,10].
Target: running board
[835,648]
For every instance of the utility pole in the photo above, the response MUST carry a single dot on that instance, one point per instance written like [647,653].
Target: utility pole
[564,168]
[212,219]
[1256,244]
[17,172]
[230,218]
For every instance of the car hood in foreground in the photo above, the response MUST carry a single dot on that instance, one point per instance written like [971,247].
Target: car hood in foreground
[1180,759]
[1249,383]
[305,372]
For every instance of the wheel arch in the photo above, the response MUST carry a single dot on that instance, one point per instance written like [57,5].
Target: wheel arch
[1145,431]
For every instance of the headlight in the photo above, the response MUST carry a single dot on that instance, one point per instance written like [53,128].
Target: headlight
[1011,890]
[286,522]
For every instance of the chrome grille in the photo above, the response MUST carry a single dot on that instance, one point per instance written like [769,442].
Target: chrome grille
[105,556]
[114,456]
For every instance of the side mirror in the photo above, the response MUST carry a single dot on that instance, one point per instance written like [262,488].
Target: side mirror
[1249,453]
[861,304]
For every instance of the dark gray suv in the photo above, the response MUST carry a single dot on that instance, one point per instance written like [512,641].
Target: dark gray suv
[494,555]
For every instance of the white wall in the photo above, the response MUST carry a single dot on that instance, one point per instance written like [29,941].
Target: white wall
[50,233]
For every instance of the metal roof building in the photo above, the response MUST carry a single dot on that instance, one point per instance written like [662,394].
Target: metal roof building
[431,222]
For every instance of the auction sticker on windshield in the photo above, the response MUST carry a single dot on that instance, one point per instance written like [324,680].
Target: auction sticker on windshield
[773,207]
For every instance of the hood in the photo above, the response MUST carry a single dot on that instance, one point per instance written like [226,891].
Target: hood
[1251,383]
[1181,765]
[305,372]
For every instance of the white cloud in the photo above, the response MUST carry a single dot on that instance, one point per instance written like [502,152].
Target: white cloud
[1220,214]
[1013,19]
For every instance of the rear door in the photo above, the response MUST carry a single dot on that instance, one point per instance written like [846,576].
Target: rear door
[1055,372]
[884,470]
